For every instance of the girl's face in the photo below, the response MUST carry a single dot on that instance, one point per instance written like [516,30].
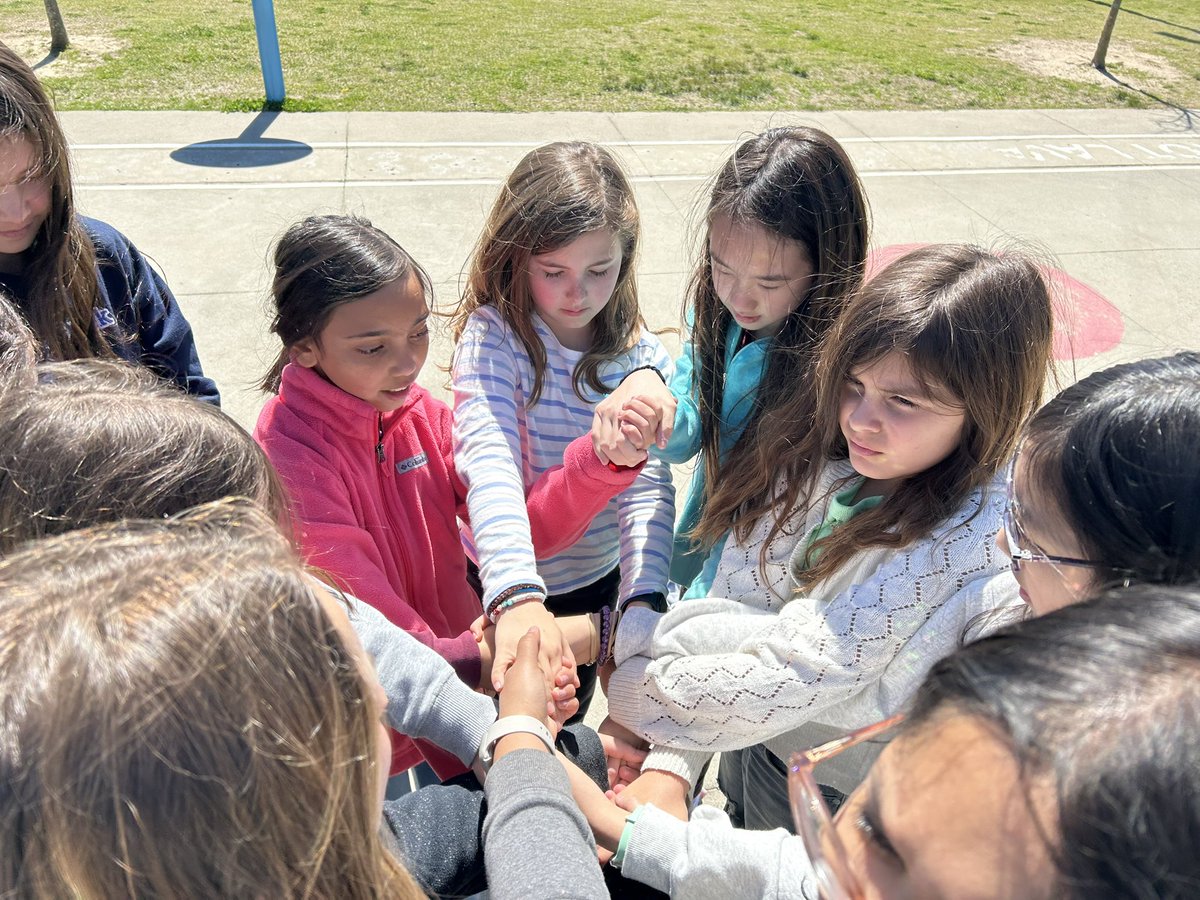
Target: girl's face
[373,690]
[893,429]
[24,199]
[373,348]
[570,286]
[759,276]
[944,814]
[1045,585]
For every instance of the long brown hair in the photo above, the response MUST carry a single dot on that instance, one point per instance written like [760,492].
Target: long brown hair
[100,441]
[59,268]
[975,327]
[555,194]
[182,719]
[798,184]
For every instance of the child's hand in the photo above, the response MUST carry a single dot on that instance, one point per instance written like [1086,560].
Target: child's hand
[667,791]
[562,703]
[525,692]
[608,440]
[624,751]
[512,625]
[641,423]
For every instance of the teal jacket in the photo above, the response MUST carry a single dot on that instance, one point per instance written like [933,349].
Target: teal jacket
[743,372]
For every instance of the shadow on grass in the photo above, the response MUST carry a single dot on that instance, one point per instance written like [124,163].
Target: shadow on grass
[246,151]
[1185,118]
[1126,11]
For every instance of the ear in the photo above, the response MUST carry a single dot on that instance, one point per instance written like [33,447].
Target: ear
[304,353]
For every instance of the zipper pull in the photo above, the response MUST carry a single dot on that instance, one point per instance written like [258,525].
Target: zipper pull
[379,454]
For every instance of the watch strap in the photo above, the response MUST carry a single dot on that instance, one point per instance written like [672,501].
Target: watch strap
[507,725]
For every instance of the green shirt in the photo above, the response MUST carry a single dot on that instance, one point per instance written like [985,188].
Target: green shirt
[842,508]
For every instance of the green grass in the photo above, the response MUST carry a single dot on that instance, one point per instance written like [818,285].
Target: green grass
[626,55]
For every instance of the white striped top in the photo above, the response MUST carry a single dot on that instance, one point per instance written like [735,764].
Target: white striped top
[502,445]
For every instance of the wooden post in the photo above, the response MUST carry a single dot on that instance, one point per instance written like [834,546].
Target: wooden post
[58,30]
[1105,35]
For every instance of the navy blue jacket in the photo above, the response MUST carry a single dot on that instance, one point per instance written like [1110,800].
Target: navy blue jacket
[138,313]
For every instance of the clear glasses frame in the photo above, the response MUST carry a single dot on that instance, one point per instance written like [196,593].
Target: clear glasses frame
[814,821]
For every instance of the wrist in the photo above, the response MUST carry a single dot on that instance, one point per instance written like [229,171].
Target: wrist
[510,598]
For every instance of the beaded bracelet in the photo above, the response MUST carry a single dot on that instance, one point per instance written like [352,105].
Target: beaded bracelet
[604,654]
[511,597]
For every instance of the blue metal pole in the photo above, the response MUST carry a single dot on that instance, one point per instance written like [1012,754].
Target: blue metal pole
[268,49]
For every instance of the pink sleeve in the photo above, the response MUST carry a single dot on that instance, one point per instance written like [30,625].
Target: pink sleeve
[333,541]
[565,499]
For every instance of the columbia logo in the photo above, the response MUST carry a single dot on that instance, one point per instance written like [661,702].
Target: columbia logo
[413,462]
[105,318]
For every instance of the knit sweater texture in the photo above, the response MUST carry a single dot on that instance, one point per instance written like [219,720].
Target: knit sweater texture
[754,664]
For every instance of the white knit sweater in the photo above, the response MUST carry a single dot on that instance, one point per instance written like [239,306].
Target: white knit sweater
[723,674]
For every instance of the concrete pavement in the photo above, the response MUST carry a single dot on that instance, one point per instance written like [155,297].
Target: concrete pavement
[1112,195]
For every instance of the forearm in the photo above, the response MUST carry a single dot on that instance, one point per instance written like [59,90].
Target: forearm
[563,501]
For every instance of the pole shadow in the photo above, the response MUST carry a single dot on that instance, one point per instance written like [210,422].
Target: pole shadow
[1186,119]
[246,151]
[47,59]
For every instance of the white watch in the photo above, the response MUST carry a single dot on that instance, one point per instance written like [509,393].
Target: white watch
[512,725]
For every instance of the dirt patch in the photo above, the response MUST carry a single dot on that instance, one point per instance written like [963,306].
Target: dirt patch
[87,50]
[1072,60]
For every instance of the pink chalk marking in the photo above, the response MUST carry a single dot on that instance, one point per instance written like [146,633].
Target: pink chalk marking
[1084,322]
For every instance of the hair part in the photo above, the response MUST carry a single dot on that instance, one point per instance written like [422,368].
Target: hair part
[59,268]
[101,441]
[324,262]
[1115,454]
[798,184]
[557,193]
[976,329]
[1101,701]
[135,762]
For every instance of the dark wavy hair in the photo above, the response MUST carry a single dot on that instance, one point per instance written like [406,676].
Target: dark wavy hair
[1101,701]
[323,262]
[1117,454]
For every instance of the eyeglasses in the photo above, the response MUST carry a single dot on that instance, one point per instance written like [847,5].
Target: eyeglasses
[1022,548]
[814,821]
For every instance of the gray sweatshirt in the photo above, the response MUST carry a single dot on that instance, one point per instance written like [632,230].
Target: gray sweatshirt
[426,699]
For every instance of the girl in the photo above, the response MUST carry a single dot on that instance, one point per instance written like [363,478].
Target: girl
[548,323]
[365,452]
[125,643]
[1055,759]
[873,564]
[786,243]
[1105,488]
[84,288]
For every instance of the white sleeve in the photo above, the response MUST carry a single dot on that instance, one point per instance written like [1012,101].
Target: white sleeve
[646,511]
[718,675]
[489,422]
[707,858]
